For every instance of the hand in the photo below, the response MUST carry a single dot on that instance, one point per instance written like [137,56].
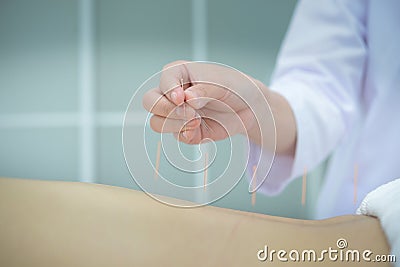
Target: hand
[196,101]
[194,110]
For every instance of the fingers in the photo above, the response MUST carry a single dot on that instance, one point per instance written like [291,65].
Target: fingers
[174,79]
[168,125]
[155,102]
[177,85]
[190,137]
[203,133]
[199,95]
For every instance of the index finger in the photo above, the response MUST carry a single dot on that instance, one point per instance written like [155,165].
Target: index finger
[155,102]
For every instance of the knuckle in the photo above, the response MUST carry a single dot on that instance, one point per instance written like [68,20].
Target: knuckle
[161,108]
[174,63]
[185,141]
[154,125]
[145,100]
[165,109]
[192,141]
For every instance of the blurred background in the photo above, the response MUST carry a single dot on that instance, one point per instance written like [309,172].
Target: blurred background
[68,69]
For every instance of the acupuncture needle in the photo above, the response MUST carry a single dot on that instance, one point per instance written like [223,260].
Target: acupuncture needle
[203,122]
[184,107]
[355,184]
[304,187]
[253,195]
[205,170]
[157,160]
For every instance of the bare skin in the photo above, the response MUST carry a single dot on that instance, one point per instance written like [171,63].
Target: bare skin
[200,99]
[60,224]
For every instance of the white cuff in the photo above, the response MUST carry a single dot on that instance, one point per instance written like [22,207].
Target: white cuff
[384,203]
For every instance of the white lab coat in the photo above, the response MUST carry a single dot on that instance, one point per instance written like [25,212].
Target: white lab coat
[339,68]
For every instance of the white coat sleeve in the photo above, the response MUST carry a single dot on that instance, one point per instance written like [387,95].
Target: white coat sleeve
[319,71]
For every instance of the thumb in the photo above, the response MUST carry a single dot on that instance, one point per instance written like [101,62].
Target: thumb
[174,79]
[199,95]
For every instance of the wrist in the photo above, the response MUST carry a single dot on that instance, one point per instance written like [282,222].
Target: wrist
[261,117]
[273,125]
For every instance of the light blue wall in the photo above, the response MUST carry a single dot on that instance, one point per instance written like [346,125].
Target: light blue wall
[38,74]
[39,55]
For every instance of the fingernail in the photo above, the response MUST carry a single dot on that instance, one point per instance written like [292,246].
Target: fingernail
[184,134]
[174,96]
[191,94]
[195,100]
